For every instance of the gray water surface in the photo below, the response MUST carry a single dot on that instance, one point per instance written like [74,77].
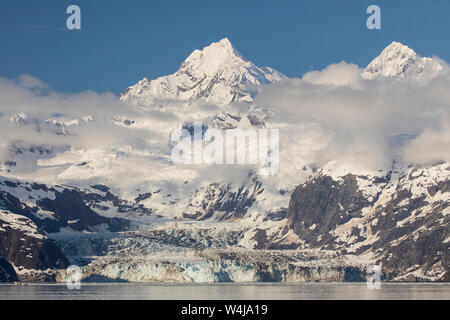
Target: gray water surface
[272,291]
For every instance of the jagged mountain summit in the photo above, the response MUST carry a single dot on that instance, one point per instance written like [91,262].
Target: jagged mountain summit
[217,74]
[400,61]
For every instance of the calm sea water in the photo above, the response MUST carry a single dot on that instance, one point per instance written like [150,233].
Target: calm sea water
[227,291]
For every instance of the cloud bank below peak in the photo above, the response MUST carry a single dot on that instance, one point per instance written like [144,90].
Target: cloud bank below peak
[335,115]
[361,117]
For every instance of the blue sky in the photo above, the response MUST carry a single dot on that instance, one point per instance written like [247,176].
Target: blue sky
[123,41]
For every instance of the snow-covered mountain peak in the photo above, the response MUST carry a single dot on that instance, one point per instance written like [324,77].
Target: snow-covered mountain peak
[216,74]
[217,55]
[400,61]
[216,50]
[396,48]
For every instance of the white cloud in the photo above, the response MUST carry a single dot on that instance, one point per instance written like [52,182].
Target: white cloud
[30,82]
[432,146]
[339,74]
[327,116]
[359,118]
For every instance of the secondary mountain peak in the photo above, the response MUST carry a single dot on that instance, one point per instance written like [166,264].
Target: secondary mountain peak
[399,61]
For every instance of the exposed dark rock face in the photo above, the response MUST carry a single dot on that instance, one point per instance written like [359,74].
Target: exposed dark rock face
[405,225]
[41,209]
[261,239]
[25,246]
[7,272]
[69,207]
[276,215]
[255,121]
[321,204]
[230,201]
[420,241]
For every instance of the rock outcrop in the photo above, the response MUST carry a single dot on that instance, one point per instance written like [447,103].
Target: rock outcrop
[401,221]
[7,272]
[24,245]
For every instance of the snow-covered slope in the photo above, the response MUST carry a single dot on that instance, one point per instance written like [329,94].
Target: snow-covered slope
[399,61]
[217,74]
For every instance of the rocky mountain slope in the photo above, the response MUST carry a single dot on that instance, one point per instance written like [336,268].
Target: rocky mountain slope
[7,273]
